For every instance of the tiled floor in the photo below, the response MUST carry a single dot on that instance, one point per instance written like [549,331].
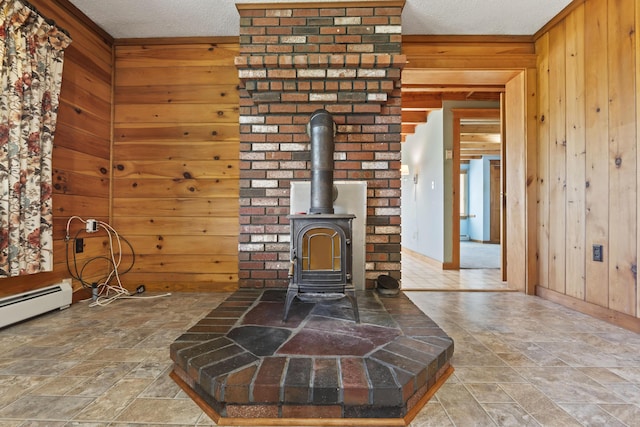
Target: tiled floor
[519,360]
[419,275]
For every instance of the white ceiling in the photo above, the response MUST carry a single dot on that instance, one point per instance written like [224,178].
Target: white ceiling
[202,18]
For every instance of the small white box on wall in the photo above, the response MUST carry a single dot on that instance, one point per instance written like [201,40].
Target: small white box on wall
[352,199]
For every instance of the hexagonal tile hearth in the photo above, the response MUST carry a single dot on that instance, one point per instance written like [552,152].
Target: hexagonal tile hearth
[243,361]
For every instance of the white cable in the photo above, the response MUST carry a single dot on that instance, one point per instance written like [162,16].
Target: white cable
[120,291]
[69,223]
[111,292]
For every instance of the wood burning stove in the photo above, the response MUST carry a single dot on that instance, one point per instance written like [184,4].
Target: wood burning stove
[321,241]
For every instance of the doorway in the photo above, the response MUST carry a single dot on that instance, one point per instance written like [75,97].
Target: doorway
[480,192]
[477,142]
[517,115]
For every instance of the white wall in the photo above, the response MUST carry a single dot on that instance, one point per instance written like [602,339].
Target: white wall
[427,204]
[422,202]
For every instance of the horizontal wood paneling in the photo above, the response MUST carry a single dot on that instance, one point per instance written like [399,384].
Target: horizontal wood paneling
[183,264]
[82,140]
[176,113]
[176,226]
[170,169]
[467,45]
[91,207]
[177,186]
[177,55]
[174,245]
[186,207]
[72,183]
[182,282]
[210,94]
[96,71]
[176,162]
[94,122]
[470,52]
[587,107]
[165,76]
[80,163]
[196,134]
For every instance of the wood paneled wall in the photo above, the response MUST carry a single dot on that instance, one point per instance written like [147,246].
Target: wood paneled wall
[587,158]
[82,141]
[175,161]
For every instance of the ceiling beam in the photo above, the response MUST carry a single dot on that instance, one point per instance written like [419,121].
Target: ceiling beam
[413,100]
[408,128]
[480,146]
[451,88]
[480,128]
[480,137]
[414,116]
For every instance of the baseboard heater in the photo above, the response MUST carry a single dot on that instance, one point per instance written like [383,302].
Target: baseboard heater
[16,308]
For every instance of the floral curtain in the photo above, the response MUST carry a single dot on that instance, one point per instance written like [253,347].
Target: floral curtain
[31,49]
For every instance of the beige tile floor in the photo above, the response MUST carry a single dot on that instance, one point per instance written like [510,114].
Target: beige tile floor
[519,361]
[419,275]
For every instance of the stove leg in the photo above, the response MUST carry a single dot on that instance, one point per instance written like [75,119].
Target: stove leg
[292,292]
[351,294]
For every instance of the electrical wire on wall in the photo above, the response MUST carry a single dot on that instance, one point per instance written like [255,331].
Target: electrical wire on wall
[109,287]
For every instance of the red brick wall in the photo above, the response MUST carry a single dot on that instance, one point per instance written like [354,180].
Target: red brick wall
[294,61]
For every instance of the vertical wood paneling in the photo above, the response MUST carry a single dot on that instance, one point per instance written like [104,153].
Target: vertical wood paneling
[597,151]
[82,138]
[542,48]
[557,158]
[531,190]
[515,103]
[575,152]
[622,156]
[637,95]
[175,153]
[596,99]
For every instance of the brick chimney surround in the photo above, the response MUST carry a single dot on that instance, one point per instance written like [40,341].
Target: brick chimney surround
[295,58]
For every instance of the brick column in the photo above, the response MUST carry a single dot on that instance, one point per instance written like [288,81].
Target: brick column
[340,56]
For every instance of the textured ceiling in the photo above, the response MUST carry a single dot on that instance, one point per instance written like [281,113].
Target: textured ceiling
[195,18]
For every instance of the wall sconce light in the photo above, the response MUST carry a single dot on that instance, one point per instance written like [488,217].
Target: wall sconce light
[415,178]
[404,170]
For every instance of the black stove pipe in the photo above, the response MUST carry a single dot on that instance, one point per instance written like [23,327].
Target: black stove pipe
[321,130]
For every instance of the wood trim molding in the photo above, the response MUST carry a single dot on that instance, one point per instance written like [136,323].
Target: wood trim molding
[424,258]
[614,317]
[72,10]
[558,18]
[476,113]
[177,41]
[465,39]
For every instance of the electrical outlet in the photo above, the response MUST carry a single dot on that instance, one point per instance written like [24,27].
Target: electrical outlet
[91,226]
[597,253]
[79,245]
